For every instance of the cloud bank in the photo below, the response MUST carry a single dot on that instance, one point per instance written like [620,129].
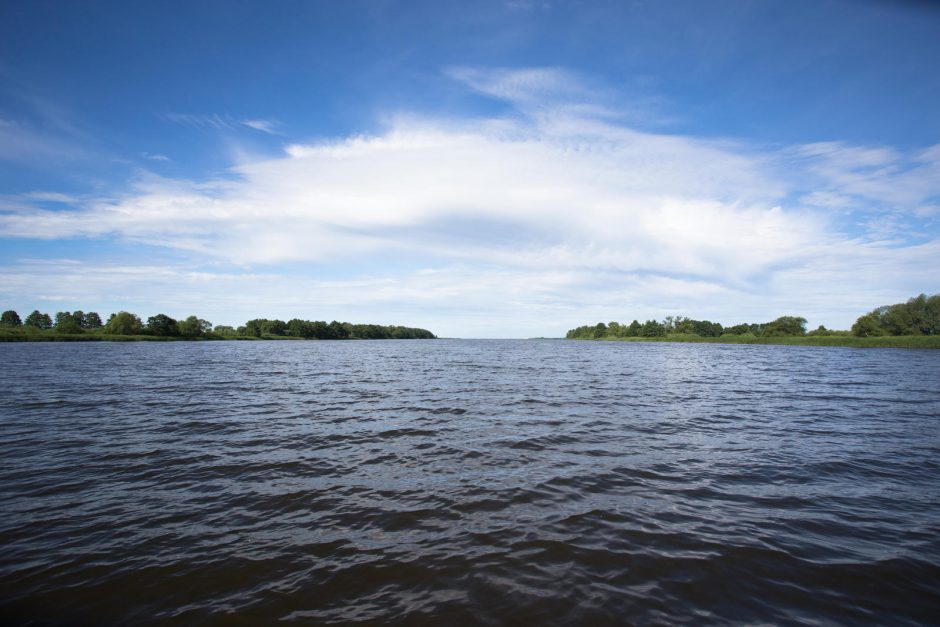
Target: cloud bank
[554,214]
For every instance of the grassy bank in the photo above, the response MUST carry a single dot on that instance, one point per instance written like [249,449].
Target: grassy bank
[898,341]
[20,335]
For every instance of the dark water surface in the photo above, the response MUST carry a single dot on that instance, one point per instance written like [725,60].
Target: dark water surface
[468,482]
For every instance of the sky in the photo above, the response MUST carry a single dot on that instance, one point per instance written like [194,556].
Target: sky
[479,169]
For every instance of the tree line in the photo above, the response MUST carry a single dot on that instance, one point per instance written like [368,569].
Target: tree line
[918,316]
[161,325]
[679,325]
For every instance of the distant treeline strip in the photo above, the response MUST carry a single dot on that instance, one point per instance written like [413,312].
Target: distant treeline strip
[919,316]
[80,325]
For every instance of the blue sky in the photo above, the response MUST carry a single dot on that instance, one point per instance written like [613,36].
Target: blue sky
[502,169]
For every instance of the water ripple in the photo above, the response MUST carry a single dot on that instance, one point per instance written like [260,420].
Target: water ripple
[468,482]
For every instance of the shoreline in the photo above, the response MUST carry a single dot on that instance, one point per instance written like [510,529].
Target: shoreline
[78,337]
[883,341]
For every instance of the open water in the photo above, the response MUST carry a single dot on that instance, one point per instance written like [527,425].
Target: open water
[468,482]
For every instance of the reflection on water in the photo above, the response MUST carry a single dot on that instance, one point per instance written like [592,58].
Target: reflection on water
[472,482]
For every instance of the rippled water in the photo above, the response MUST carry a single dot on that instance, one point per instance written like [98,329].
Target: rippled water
[468,482]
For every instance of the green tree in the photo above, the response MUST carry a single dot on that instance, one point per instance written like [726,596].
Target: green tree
[670,323]
[581,333]
[338,331]
[897,320]
[682,325]
[867,326]
[320,330]
[273,327]
[253,327]
[652,328]
[739,329]
[785,326]
[299,328]
[66,322]
[92,320]
[920,315]
[162,325]
[10,318]
[634,329]
[124,323]
[194,327]
[932,315]
[38,320]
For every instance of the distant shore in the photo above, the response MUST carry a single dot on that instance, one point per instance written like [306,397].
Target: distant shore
[913,324]
[7,335]
[894,341]
[123,326]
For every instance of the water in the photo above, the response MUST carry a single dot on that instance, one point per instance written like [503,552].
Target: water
[468,482]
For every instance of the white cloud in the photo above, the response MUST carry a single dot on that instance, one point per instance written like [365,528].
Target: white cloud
[877,175]
[51,197]
[926,211]
[534,85]
[218,122]
[154,157]
[202,121]
[265,126]
[23,143]
[576,192]
[531,222]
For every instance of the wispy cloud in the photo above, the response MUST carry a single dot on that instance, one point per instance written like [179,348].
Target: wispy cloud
[211,121]
[56,197]
[265,126]
[880,174]
[155,156]
[528,5]
[24,143]
[217,122]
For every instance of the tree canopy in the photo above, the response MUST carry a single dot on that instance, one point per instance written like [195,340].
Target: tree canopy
[162,325]
[679,325]
[920,315]
[66,322]
[38,320]
[192,327]
[10,318]
[123,323]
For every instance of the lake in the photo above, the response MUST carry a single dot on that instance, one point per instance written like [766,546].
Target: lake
[468,482]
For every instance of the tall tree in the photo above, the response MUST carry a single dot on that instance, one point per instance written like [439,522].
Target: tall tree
[785,326]
[38,320]
[652,328]
[92,320]
[920,315]
[65,322]
[162,325]
[10,318]
[194,327]
[124,323]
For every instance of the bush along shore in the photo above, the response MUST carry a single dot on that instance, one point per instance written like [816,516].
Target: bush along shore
[914,324]
[78,326]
